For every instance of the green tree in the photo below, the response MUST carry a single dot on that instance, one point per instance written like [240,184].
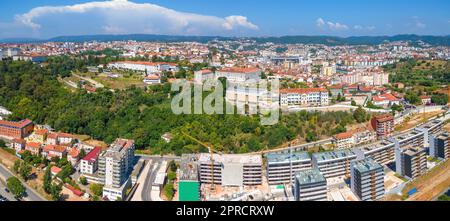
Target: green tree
[25,170]
[83,180]
[360,115]
[47,180]
[2,143]
[16,187]
[96,189]
[55,191]
[16,166]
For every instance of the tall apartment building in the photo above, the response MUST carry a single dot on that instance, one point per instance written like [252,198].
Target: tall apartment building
[282,167]
[335,163]
[19,130]
[367,179]
[430,129]
[410,161]
[410,138]
[310,185]
[231,169]
[239,75]
[115,165]
[440,145]
[304,97]
[383,124]
[381,152]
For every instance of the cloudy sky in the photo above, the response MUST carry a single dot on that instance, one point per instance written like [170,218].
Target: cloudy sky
[50,18]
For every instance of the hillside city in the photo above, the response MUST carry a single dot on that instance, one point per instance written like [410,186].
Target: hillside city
[92,121]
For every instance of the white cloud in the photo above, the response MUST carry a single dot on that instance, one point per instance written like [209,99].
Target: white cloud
[331,25]
[320,22]
[237,20]
[420,24]
[361,28]
[122,16]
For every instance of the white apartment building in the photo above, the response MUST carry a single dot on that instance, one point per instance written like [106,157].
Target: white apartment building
[367,179]
[353,138]
[282,167]
[231,169]
[115,166]
[304,97]
[334,163]
[144,66]
[89,164]
[310,185]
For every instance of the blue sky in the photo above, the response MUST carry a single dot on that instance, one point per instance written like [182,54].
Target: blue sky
[49,18]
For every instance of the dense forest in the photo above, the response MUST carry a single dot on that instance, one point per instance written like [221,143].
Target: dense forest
[33,91]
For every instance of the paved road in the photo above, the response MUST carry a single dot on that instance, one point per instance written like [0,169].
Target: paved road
[5,194]
[151,176]
[32,194]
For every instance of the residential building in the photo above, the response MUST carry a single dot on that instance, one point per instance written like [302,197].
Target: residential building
[11,130]
[239,75]
[231,169]
[353,138]
[410,161]
[115,165]
[18,144]
[282,167]
[385,100]
[382,152]
[49,151]
[152,79]
[203,75]
[304,97]
[310,185]
[410,138]
[429,129]
[440,145]
[34,148]
[334,163]
[425,99]
[367,179]
[383,125]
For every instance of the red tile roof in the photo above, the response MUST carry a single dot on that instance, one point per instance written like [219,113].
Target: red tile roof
[33,145]
[344,135]
[93,155]
[55,169]
[239,70]
[20,124]
[383,97]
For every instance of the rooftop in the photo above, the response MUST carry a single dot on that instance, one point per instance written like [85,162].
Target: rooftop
[93,155]
[309,176]
[340,154]
[366,165]
[239,70]
[19,124]
[286,157]
[231,158]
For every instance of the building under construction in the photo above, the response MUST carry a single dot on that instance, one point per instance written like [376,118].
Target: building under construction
[230,169]
[188,184]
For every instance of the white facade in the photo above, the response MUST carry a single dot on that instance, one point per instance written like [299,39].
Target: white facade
[304,97]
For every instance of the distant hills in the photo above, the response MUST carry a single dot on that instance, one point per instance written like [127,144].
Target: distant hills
[327,40]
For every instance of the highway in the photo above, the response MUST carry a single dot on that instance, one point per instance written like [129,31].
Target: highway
[31,194]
